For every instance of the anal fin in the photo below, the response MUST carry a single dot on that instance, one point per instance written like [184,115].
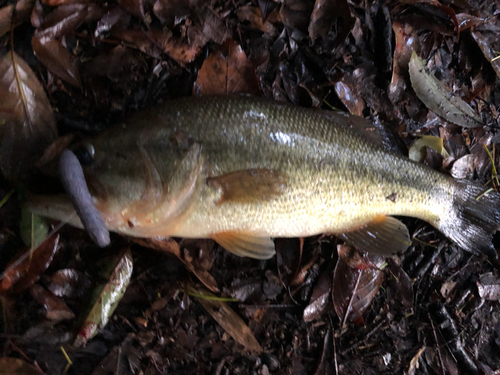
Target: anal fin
[245,244]
[384,236]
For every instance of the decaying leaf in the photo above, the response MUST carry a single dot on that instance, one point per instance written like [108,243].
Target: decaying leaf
[354,288]
[106,297]
[227,71]
[23,11]
[24,270]
[227,318]
[171,246]
[320,296]
[27,124]
[485,44]
[57,59]
[438,98]
[417,150]
[55,308]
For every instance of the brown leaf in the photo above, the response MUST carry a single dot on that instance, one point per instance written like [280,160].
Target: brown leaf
[353,290]
[27,124]
[55,307]
[172,247]
[23,11]
[63,20]
[57,59]
[227,318]
[320,296]
[24,270]
[253,15]
[134,7]
[321,18]
[69,283]
[171,12]
[227,71]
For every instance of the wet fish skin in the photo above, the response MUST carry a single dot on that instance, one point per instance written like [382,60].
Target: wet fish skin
[167,172]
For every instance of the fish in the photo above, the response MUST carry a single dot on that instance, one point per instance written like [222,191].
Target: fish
[244,170]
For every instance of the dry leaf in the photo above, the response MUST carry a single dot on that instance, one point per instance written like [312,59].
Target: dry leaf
[227,318]
[355,288]
[227,71]
[23,12]
[27,124]
[57,59]
[438,98]
[24,270]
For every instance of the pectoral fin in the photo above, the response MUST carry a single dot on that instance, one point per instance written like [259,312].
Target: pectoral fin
[383,236]
[249,185]
[245,244]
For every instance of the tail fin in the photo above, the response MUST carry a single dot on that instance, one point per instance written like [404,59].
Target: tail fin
[474,218]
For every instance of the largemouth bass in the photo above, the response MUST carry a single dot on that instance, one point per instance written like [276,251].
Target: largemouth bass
[241,170]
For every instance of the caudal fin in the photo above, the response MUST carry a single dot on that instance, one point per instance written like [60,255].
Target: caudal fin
[474,219]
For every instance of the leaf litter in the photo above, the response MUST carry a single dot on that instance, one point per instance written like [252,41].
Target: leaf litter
[95,63]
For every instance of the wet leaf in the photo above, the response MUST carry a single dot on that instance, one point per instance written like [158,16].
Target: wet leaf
[171,12]
[69,283]
[438,98]
[401,283]
[23,11]
[105,298]
[489,286]
[27,124]
[254,17]
[57,59]
[24,270]
[320,296]
[417,151]
[172,247]
[62,20]
[349,98]
[321,18]
[355,288]
[55,307]
[227,319]
[33,228]
[227,71]
[16,366]
[488,43]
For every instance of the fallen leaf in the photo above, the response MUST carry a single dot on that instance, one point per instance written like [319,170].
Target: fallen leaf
[171,12]
[27,124]
[227,319]
[354,289]
[106,297]
[69,283]
[321,18]
[23,12]
[57,59]
[320,296]
[24,270]
[172,247]
[62,20]
[438,98]
[227,71]
[55,308]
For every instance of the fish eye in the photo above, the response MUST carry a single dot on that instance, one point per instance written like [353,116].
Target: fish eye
[85,153]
